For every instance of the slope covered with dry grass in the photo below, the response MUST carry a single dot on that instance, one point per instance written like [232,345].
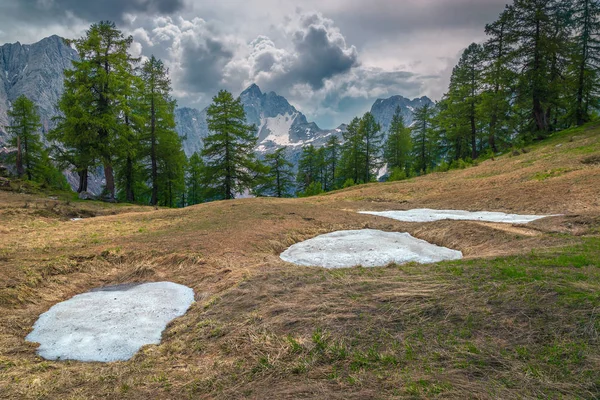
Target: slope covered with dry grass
[517,318]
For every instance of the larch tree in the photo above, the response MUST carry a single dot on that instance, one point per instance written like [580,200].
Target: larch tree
[231,164]
[24,135]
[370,132]
[585,58]
[398,145]
[195,171]
[279,180]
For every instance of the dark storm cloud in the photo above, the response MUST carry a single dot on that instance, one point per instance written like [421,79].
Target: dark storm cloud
[388,19]
[319,53]
[94,10]
[202,63]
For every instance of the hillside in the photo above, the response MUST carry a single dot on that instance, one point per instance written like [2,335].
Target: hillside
[516,318]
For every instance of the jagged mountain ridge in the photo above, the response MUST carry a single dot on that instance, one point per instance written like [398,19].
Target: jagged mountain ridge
[384,109]
[36,71]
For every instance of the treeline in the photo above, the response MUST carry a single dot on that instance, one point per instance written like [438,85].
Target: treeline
[535,74]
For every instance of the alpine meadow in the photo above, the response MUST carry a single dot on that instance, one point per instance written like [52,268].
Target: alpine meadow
[176,223]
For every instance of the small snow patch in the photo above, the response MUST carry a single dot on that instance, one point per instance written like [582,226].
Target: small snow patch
[428,215]
[367,247]
[109,324]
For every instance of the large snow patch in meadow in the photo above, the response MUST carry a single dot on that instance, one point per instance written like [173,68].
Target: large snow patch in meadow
[109,324]
[428,215]
[368,247]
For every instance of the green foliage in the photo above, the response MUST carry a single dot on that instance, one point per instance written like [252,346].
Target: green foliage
[23,130]
[397,174]
[231,165]
[196,189]
[398,146]
[310,169]
[314,189]
[279,180]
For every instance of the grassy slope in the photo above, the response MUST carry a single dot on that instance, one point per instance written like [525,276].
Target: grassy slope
[518,318]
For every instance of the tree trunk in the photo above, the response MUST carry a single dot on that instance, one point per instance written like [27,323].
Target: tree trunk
[20,171]
[83,181]
[129,194]
[153,156]
[110,180]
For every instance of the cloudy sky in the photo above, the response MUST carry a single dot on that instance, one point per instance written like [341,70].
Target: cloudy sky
[330,58]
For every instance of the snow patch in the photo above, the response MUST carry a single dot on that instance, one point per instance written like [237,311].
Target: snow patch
[109,324]
[368,247]
[279,128]
[429,215]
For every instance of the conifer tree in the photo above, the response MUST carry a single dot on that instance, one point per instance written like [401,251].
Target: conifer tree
[92,103]
[309,168]
[229,148]
[195,171]
[25,136]
[160,129]
[585,58]
[279,180]
[370,132]
[398,145]
[353,155]
[423,138]
[331,163]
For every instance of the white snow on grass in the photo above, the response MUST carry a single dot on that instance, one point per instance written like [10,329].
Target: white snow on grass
[109,324]
[368,248]
[428,215]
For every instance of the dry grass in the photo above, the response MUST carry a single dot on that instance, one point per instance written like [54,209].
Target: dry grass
[517,319]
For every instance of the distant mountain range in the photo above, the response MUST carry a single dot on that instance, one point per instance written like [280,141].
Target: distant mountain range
[36,71]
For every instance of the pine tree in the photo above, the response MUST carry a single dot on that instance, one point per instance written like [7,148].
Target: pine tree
[331,163]
[309,169]
[499,77]
[279,180]
[398,145]
[229,148]
[423,138]
[353,155]
[25,137]
[532,29]
[585,58]
[196,190]
[160,119]
[93,100]
[370,132]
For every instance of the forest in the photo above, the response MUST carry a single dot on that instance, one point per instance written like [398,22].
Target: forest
[536,73]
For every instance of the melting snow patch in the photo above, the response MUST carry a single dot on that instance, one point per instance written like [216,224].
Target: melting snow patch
[109,324]
[428,215]
[368,247]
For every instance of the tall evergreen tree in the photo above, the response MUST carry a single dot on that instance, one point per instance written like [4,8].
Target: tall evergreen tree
[370,132]
[95,93]
[499,77]
[331,162]
[585,58]
[352,160]
[423,138]
[196,190]
[309,168]
[24,135]
[398,145]
[279,180]
[160,119]
[229,148]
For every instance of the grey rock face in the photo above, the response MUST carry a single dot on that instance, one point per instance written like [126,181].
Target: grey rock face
[384,109]
[278,124]
[36,71]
